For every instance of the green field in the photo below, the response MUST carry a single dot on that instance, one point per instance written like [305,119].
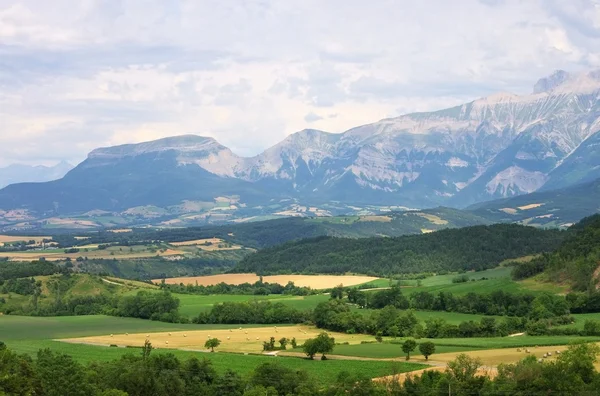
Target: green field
[325,372]
[29,334]
[191,305]
[580,320]
[510,342]
[445,345]
[37,328]
[388,351]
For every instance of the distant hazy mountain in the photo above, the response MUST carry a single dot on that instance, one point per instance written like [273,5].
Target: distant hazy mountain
[17,173]
[500,146]
[553,208]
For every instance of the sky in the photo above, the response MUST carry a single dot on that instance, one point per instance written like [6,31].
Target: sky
[76,75]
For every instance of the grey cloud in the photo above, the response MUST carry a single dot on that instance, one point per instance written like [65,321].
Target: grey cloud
[571,14]
[312,117]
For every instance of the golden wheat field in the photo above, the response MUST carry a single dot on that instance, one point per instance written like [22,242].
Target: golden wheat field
[312,281]
[240,339]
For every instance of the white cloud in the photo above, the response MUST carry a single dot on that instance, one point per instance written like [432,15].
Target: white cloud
[77,75]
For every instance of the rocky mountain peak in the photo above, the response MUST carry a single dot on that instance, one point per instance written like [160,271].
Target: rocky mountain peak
[546,84]
[562,82]
[183,143]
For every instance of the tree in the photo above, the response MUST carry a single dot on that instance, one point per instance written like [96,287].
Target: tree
[283,342]
[337,292]
[323,344]
[427,349]
[146,349]
[408,347]
[310,348]
[212,343]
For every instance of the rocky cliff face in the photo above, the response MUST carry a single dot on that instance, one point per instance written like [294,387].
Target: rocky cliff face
[494,147]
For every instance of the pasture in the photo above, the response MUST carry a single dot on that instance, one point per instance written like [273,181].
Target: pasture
[312,281]
[325,372]
[29,334]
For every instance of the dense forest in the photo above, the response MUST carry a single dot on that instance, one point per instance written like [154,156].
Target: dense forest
[576,261]
[470,248]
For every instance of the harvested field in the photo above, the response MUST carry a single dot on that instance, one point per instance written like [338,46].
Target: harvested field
[98,254]
[493,357]
[531,206]
[208,244]
[381,219]
[198,242]
[432,218]
[313,281]
[510,211]
[482,371]
[11,238]
[121,230]
[248,340]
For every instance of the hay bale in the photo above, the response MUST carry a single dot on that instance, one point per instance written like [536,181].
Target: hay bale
[185,335]
[228,338]
[247,338]
[257,338]
[540,360]
[111,335]
[169,333]
[527,351]
[167,342]
[518,349]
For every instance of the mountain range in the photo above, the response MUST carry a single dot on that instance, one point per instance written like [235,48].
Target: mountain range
[496,147]
[18,173]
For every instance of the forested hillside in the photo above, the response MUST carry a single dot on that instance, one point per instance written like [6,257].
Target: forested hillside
[470,248]
[575,262]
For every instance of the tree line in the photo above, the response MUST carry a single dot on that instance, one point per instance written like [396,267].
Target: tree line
[259,288]
[470,248]
[498,303]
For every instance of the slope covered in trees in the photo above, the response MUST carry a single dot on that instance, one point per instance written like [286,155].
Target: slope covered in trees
[576,261]
[470,248]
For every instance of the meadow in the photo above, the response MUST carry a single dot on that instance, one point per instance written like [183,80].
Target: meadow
[29,334]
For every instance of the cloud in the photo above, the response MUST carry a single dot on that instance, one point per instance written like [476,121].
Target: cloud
[312,117]
[77,75]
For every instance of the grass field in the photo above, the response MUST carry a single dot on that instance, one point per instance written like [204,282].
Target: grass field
[312,281]
[324,372]
[580,320]
[38,328]
[388,351]
[29,334]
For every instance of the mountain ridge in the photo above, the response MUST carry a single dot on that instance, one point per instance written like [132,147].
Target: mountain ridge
[494,147]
